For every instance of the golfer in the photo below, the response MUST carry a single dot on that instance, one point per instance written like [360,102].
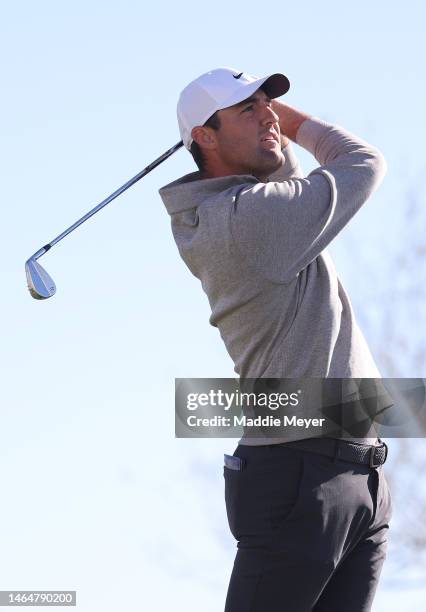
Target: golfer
[310,516]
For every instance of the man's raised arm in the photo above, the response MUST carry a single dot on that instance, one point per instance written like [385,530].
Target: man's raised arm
[281,227]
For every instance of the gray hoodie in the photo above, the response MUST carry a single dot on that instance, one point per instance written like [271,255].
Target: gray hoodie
[259,250]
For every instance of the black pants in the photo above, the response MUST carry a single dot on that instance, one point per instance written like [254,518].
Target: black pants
[312,533]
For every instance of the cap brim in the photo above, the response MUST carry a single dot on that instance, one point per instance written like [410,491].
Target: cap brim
[274,85]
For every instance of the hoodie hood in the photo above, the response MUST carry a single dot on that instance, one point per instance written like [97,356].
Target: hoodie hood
[191,190]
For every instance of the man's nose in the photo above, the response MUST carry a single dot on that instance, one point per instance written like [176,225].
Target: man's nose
[268,116]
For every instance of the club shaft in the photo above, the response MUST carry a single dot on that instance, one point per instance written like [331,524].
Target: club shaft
[109,199]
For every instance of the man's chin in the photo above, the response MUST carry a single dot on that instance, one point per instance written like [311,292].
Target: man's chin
[270,164]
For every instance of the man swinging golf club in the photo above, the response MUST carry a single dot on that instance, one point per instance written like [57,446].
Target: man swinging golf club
[311,516]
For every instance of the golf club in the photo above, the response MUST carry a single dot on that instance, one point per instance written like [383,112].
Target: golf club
[40,285]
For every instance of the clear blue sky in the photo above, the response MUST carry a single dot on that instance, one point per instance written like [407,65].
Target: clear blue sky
[98,496]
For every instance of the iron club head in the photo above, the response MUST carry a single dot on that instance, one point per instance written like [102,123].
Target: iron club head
[40,285]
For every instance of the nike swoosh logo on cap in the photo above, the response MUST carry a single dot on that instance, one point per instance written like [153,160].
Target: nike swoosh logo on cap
[237,76]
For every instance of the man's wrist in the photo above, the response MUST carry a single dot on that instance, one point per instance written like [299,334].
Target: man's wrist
[290,119]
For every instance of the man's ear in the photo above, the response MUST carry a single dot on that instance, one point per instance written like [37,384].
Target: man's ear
[204,137]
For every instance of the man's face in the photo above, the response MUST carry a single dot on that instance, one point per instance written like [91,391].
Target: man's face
[248,140]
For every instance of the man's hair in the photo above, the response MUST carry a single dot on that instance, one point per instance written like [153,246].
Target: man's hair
[196,152]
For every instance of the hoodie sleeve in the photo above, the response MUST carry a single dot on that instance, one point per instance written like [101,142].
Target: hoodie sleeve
[281,227]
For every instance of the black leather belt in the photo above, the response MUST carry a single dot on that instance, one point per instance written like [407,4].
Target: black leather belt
[343,450]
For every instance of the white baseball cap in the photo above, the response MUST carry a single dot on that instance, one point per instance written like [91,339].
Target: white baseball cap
[219,89]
